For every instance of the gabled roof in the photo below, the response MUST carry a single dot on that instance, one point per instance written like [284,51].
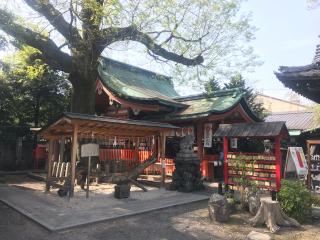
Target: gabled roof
[137,84]
[304,80]
[262,129]
[199,106]
[294,120]
[103,125]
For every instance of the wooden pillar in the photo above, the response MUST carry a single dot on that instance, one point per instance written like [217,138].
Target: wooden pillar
[62,147]
[162,155]
[309,165]
[159,151]
[277,146]
[204,164]
[49,165]
[73,158]
[225,157]
[55,150]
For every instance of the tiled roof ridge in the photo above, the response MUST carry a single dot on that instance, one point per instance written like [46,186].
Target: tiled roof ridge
[292,112]
[316,58]
[315,64]
[220,93]
[137,69]
[292,69]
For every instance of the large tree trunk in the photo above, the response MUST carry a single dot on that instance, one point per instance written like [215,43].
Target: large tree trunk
[83,95]
[36,120]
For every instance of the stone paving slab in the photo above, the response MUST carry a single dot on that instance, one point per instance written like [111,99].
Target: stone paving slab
[48,211]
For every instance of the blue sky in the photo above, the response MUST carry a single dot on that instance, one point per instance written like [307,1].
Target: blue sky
[288,34]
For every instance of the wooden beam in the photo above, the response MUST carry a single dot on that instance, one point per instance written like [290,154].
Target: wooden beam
[225,157]
[73,158]
[49,168]
[277,146]
[56,150]
[309,165]
[62,147]
[163,155]
[204,164]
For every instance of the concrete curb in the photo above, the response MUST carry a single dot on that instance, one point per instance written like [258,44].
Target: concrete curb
[4,173]
[36,176]
[25,213]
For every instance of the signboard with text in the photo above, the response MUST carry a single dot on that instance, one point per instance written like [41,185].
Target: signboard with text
[296,161]
[207,135]
[89,150]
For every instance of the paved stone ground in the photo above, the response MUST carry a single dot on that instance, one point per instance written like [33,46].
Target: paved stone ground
[156,225]
[184,222]
[55,213]
[187,222]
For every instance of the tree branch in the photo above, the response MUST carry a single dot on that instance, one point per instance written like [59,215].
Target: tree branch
[56,19]
[50,51]
[111,35]
[91,18]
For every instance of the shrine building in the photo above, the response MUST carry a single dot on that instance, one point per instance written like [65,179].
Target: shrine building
[128,92]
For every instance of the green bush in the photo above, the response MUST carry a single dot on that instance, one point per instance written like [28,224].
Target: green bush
[295,199]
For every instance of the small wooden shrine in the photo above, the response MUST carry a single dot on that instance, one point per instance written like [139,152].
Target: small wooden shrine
[124,145]
[263,167]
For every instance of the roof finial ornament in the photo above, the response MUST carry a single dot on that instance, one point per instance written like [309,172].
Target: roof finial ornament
[316,59]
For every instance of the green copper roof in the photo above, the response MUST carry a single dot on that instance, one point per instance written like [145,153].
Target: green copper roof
[134,83]
[203,105]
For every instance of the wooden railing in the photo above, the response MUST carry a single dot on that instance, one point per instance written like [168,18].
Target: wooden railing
[126,159]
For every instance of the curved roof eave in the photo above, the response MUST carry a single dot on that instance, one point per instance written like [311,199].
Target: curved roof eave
[143,100]
[241,101]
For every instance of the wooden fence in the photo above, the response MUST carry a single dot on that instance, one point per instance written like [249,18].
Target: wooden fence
[129,158]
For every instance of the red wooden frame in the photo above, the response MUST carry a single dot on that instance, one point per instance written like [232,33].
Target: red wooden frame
[277,163]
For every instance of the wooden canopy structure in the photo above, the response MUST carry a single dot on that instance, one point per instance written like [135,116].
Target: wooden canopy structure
[262,129]
[73,126]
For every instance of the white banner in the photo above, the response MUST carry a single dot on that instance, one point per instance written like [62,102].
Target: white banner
[233,143]
[296,161]
[208,135]
[89,150]
[187,131]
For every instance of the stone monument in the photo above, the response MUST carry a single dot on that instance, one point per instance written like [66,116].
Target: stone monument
[218,208]
[186,176]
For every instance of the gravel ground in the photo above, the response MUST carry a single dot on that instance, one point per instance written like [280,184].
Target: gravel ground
[185,222]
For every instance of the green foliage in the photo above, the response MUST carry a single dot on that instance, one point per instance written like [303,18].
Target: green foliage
[217,30]
[212,86]
[237,81]
[242,169]
[295,199]
[32,93]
